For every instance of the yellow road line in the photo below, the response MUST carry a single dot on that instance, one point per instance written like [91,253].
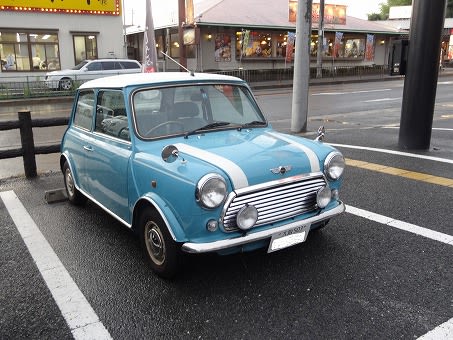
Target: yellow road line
[418,176]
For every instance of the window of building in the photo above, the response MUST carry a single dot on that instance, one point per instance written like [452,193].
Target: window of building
[29,51]
[85,47]
[260,44]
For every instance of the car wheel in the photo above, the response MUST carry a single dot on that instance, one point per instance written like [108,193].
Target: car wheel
[163,253]
[65,84]
[74,195]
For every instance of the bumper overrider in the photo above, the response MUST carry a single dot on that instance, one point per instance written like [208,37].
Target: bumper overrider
[260,235]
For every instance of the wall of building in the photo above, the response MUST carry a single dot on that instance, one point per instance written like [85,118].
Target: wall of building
[109,29]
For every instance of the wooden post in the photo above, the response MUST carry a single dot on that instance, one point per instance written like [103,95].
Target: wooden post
[28,144]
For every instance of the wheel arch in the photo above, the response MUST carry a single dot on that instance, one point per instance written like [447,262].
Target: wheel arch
[154,202]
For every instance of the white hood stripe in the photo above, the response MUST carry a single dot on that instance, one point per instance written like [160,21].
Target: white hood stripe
[235,173]
[313,159]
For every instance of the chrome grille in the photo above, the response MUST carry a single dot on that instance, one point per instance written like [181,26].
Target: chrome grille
[275,200]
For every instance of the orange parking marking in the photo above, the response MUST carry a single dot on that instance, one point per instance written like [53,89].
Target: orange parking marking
[418,176]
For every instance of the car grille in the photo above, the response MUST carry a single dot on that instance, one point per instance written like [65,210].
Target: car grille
[275,200]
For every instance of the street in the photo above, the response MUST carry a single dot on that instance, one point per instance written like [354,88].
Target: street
[382,270]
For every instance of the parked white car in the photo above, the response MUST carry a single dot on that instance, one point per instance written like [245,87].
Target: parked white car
[90,69]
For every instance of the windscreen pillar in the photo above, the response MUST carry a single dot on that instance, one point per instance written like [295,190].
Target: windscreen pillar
[420,84]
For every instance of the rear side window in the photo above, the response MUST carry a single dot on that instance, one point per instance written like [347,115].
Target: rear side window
[108,65]
[83,116]
[129,65]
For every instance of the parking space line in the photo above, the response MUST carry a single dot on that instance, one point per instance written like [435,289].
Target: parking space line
[445,330]
[441,332]
[412,228]
[418,176]
[393,152]
[78,313]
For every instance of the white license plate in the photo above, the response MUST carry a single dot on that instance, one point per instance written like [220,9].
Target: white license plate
[288,238]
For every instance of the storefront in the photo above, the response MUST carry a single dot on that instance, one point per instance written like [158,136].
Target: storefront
[241,35]
[36,38]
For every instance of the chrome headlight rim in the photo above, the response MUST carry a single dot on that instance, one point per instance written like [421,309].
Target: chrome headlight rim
[334,165]
[211,191]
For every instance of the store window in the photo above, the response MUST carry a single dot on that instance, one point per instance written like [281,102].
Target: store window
[260,44]
[29,51]
[85,47]
[174,47]
[349,46]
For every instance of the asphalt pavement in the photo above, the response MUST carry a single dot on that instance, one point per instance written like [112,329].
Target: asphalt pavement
[40,107]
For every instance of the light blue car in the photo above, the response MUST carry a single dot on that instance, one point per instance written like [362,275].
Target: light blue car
[189,162]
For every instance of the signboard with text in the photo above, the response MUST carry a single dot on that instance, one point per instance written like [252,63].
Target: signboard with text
[109,7]
[333,14]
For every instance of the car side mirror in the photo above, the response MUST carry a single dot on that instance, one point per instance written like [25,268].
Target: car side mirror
[170,153]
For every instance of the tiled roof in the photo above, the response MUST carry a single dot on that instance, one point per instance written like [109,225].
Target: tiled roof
[271,14]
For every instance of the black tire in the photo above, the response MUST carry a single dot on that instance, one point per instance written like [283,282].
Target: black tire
[74,195]
[163,253]
[65,84]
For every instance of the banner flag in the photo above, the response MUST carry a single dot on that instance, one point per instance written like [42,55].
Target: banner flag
[337,46]
[369,49]
[149,42]
[290,46]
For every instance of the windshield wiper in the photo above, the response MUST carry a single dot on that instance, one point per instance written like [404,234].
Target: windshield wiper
[207,127]
[253,123]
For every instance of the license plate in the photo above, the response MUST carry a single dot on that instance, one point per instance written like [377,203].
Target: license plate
[288,238]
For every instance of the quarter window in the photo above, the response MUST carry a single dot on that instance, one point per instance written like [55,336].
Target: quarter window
[84,110]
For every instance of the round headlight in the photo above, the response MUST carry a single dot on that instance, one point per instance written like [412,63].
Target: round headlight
[247,217]
[334,165]
[211,191]
[323,197]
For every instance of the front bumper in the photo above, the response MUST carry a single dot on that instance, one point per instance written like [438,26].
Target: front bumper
[196,248]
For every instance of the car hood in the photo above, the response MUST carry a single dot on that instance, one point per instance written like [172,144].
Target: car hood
[253,156]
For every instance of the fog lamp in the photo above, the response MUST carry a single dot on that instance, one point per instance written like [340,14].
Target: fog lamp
[323,197]
[212,225]
[247,217]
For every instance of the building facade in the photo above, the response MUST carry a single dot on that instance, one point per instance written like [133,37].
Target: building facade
[39,36]
[235,34]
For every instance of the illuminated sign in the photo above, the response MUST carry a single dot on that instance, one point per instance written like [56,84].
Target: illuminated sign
[96,7]
[333,14]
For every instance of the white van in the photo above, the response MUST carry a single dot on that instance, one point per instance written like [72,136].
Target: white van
[90,69]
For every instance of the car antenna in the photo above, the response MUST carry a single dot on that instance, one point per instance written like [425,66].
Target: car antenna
[177,63]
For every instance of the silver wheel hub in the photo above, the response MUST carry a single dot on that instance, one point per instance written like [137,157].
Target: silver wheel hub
[155,243]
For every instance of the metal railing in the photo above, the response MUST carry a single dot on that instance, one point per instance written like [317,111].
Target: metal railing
[28,150]
[15,87]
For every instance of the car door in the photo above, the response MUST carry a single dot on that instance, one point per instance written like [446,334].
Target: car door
[111,150]
[79,137]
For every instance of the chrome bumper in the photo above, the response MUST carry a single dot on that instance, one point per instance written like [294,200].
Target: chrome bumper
[196,248]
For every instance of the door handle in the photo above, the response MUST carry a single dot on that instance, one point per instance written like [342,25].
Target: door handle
[88,148]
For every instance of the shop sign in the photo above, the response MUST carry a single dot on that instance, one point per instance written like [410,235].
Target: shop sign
[97,7]
[333,14]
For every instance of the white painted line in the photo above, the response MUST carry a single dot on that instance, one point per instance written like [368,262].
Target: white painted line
[380,100]
[441,332]
[412,228]
[351,92]
[393,152]
[78,313]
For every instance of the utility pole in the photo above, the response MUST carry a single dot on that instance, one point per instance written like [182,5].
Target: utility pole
[181,23]
[301,67]
[422,71]
[320,40]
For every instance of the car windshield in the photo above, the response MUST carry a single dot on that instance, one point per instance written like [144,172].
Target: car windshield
[80,65]
[186,110]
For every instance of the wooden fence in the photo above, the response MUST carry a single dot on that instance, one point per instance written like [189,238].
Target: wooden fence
[28,150]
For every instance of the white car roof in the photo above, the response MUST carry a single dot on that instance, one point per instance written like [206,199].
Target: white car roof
[120,81]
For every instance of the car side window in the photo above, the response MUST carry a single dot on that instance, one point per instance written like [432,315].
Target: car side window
[111,117]
[129,65]
[94,66]
[83,116]
[108,65]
